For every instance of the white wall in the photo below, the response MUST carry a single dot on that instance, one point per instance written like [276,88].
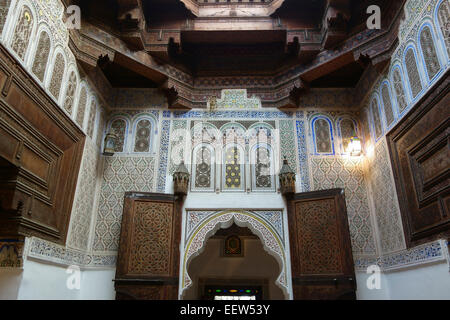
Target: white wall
[363,293]
[42,281]
[98,285]
[426,282]
[45,281]
[430,282]
[234,201]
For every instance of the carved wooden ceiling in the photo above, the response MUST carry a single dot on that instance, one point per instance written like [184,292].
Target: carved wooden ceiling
[314,43]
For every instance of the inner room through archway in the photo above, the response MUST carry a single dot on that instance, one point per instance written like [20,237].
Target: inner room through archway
[234,265]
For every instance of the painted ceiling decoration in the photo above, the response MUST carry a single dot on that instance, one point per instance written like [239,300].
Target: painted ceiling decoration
[234,8]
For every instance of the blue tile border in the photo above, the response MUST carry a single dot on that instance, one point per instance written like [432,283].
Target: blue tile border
[422,254]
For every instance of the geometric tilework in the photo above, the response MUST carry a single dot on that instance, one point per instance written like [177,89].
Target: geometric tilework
[177,144]
[22,32]
[120,175]
[444,18]
[163,156]
[50,252]
[236,99]
[41,56]
[347,173]
[386,206]
[200,114]
[429,52]
[423,254]
[57,75]
[388,111]
[303,156]
[378,128]
[4,8]
[399,91]
[287,142]
[413,72]
[196,217]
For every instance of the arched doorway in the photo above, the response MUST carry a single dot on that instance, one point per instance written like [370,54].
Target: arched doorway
[234,265]
[201,226]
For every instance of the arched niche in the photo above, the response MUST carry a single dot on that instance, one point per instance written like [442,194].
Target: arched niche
[270,238]
[249,266]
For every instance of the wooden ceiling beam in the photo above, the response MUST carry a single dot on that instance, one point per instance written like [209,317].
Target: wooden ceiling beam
[335,22]
[132,23]
[139,68]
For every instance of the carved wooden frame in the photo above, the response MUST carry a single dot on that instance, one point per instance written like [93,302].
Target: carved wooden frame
[45,147]
[433,106]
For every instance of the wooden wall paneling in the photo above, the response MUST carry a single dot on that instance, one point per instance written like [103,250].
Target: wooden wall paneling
[41,150]
[321,254]
[148,258]
[420,153]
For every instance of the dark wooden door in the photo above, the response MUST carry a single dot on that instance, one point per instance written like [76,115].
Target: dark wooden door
[148,258]
[420,151]
[321,254]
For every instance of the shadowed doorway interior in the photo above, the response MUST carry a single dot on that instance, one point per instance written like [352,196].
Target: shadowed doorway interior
[234,265]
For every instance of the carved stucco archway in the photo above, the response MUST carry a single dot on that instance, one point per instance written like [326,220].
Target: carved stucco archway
[273,242]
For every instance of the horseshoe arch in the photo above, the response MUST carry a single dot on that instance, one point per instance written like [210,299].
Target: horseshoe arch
[271,240]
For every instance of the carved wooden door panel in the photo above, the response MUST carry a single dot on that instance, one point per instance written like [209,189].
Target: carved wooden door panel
[321,255]
[148,260]
[40,157]
[420,151]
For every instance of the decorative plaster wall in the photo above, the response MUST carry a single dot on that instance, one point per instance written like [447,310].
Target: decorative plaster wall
[63,80]
[348,173]
[120,174]
[382,192]
[83,208]
[385,201]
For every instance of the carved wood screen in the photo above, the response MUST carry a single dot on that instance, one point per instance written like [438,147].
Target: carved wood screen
[420,153]
[40,157]
[321,254]
[148,261]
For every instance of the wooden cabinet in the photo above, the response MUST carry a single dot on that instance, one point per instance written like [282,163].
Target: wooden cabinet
[40,156]
[420,151]
[149,254]
[321,255]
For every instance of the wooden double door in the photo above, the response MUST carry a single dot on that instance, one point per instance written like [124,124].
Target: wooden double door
[321,256]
